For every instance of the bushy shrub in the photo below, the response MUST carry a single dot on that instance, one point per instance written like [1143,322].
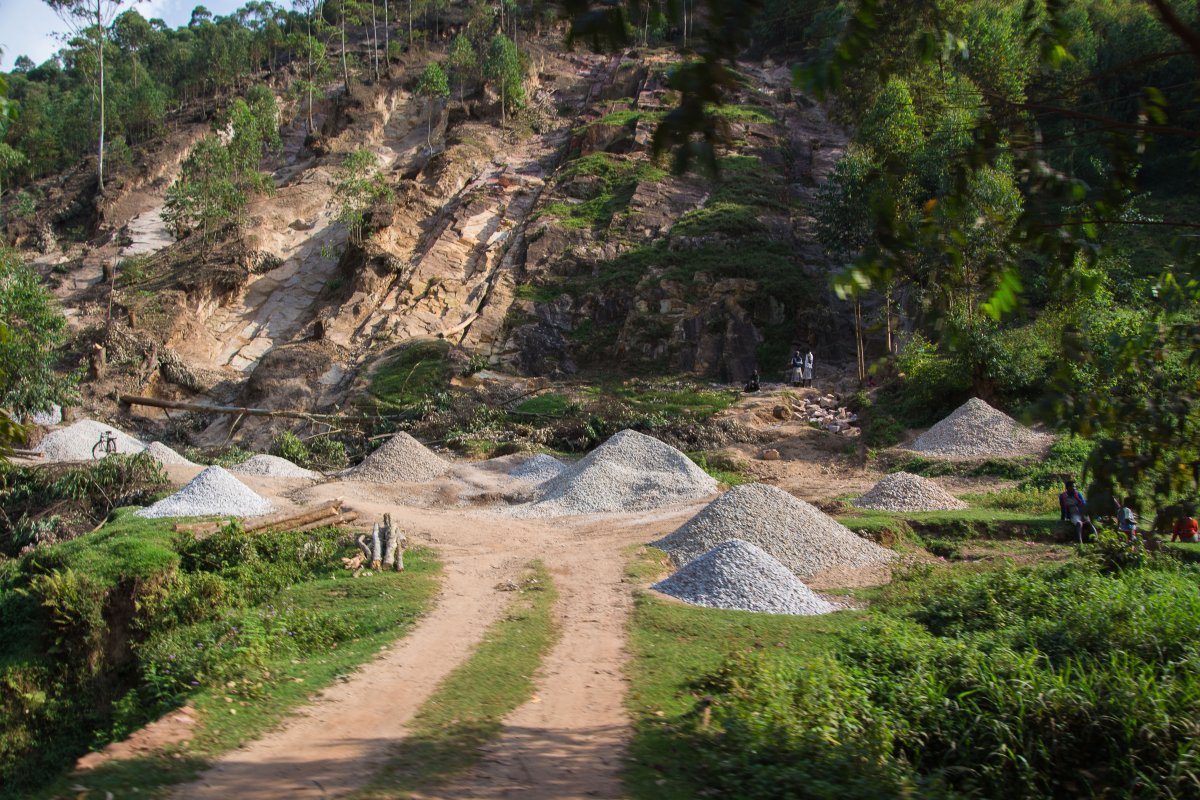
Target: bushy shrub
[1014,682]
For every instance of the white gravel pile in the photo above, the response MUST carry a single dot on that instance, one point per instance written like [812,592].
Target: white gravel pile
[402,459]
[903,491]
[629,472]
[538,469]
[165,455]
[211,493]
[740,576]
[803,538]
[977,430]
[272,467]
[75,442]
[47,418]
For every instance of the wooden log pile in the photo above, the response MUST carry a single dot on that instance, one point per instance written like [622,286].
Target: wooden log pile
[318,517]
[385,548]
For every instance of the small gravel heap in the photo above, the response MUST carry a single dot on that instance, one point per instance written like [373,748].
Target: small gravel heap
[629,472]
[740,576]
[75,442]
[801,537]
[272,467]
[976,430]
[903,491]
[539,468]
[165,455]
[211,493]
[402,459]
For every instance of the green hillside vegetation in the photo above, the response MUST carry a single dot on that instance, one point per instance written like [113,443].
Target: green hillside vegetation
[106,632]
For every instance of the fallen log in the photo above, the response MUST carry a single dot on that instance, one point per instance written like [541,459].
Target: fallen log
[155,402]
[27,453]
[288,519]
[340,519]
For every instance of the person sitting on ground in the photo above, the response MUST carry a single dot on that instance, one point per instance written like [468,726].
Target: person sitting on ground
[1186,528]
[1073,508]
[752,384]
[797,366]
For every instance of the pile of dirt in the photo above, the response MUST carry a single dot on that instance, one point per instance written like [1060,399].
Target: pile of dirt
[800,536]
[75,442]
[402,459]
[273,467]
[214,492]
[976,430]
[738,575]
[165,455]
[903,491]
[629,472]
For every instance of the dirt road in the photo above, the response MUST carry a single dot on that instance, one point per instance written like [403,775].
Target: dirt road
[567,742]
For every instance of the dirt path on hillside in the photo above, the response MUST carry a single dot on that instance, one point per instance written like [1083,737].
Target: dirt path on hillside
[567,742]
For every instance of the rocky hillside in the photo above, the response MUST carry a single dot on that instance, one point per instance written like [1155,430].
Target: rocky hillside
[554,246]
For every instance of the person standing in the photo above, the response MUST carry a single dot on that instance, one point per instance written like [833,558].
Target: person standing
[1127,521]
[1186,528]
[797,365]
[808,368]
[1073,508]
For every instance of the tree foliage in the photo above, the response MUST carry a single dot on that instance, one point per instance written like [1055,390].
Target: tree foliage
[433,86]
[503,68]
[358,185]
[36,328]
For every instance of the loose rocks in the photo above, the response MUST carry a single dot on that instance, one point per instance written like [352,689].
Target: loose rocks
[976,430]
[273,467]
[539,468]
[740,576]
[402,459]
[902,491]
[165,455]
[629,472]
[75,442]
[800,536]
[213,492]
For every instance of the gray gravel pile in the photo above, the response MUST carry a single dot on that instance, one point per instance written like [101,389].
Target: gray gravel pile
[75,442]
[740,576]
[211,493]
[977,430]
[803,538]
[402,459]
[903,491]
[165,455]
[539,468]
[272,467]
[629,472]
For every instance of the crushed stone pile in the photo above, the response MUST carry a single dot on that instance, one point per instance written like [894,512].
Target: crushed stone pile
[165,455]
[903,491]
[738,575]
[75,442]
[803,538]
[629,472]
[976,430]
[273,467]
[211,493]
[539,468]
[401,459]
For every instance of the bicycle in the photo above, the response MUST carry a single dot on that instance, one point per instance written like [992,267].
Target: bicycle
[105,447]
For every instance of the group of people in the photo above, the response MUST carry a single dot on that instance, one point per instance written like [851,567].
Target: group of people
[1074,510]
[800,372]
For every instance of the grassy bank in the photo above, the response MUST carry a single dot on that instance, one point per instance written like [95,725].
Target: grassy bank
[109,631]
[1056,680]
[673,644]
[466,710]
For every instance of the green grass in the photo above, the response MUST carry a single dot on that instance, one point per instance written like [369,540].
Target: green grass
[551,404]
[468,707]
[674,399]
[415,372]
[721,469]
[970,523]
[671,646]
[751,114]
[729,219]
[619,179]
[538,293]
[249,678]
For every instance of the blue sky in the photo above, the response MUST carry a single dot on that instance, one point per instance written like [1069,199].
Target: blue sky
[29,27]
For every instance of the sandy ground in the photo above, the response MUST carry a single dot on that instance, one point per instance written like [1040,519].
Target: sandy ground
[567,742]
